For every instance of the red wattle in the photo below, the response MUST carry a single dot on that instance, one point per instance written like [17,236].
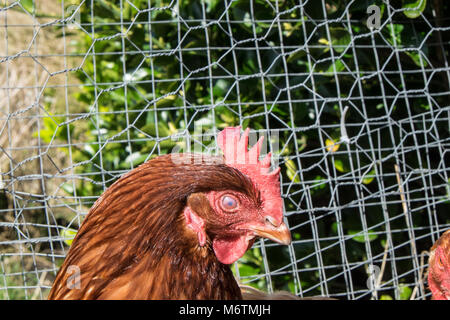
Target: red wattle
[230,249]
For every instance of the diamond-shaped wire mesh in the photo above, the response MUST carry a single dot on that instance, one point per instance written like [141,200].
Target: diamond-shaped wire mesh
[358,118]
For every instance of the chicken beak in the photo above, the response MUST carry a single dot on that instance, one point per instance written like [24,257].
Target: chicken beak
[278,233]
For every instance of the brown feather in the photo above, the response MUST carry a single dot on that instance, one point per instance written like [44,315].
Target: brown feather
[438,286]
[134,242]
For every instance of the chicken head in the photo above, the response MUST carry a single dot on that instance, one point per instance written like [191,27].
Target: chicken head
[231,220]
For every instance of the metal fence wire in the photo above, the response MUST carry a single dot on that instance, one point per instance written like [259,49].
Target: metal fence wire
[357,99]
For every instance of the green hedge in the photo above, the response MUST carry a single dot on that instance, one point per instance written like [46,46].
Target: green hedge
[135,95]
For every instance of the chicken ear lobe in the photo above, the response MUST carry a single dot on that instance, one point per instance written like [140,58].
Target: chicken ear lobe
[194,222]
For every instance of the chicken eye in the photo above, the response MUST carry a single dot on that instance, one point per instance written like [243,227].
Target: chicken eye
[440,263]
[229,203]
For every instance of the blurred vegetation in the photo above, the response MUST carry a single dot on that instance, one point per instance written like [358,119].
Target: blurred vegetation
[136,97]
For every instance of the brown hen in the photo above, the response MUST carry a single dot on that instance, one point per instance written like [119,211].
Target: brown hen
[169,228]
[439,268]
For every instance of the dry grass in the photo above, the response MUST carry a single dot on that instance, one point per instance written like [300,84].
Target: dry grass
[28,88]
[29,91]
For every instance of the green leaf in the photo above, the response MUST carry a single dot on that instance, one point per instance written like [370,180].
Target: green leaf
[413,8]
[340,39]
[27,5]
[68,188]
[415,57]
[226,118]
[395,31]
[211,5]
[368,178]
[135,158]
[49,130]
[137,75]
[302,142]
[247,270]
[386,297]
[320,184]
[338,65]
[252,256]
[331,145]
[300,54]
[109,7]
[166,101]
[360,237]
[341,166]
[446,198]
[220,88]
[69,234]
[291,286]
[292,171]
[150,128]
[404,292]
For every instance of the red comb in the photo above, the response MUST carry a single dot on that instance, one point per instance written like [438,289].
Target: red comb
[237,155]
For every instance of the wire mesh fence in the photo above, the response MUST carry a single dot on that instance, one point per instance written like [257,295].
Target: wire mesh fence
[357,99]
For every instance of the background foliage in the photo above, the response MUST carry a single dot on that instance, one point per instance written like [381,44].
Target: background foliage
[149,75]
